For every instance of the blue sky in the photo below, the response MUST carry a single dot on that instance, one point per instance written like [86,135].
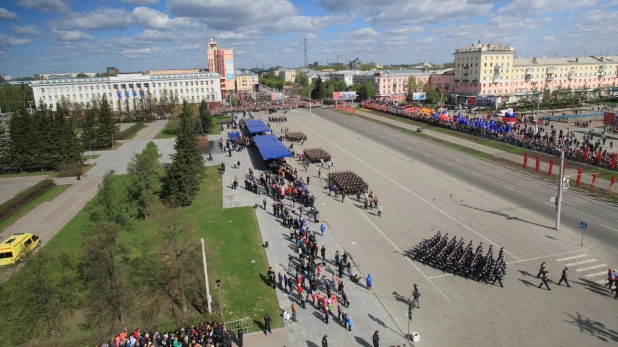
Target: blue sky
[43,36]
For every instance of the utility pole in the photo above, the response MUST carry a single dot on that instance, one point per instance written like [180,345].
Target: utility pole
[559,198]
[206,277]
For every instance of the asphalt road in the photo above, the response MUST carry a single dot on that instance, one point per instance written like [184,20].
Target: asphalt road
[525,191]
[424,188]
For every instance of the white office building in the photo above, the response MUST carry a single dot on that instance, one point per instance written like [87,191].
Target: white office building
[193,87]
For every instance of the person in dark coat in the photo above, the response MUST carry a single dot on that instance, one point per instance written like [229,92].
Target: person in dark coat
[267,320]
[376,339]
[239,336]
[324,341]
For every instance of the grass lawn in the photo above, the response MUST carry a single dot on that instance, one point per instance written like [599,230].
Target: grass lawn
[135,133]
[79,130]
[234,253]
[45,197]
[168,133]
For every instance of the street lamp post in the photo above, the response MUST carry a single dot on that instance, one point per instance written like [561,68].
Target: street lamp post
[220,306]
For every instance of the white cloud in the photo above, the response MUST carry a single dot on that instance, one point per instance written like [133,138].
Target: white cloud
[7,15]
[140,2]
[45,5]
[539,7]
[231,15]
[547,38]
[360,33]
[102,18]
[70,35]
[426,40]
[157,35]
[25,30]
[152,19]
[407,30]
[17,42]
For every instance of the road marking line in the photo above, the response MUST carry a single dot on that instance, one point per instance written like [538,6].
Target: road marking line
[548,256]
[397,248]
[440,276]
[486,172]
[536,184]
[508,187]
[573,257]
[458,162]
[566,202]
[427,155]
[601,281]
[582,200]
[521,185]
[549,203]
[591,267]
[597,274]
[475,174]
[404,188]
[581,262]
[436,153]
[609,227]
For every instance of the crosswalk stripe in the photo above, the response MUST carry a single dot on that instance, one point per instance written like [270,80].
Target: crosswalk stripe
[573,257]
[601,281]
[590,267]
[581,262]
[597,274]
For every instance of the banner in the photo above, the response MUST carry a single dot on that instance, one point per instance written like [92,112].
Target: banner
[609,118]
[229,69]
[344,95]
[419,96]
[471,100]
[276,96]
[254,79]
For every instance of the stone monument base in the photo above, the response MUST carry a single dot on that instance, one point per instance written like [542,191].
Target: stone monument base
[202,141]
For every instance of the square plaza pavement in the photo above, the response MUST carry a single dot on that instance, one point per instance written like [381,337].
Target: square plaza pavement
[366,310]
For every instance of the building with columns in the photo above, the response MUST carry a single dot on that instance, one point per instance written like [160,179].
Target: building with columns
[494,74]
[130,90]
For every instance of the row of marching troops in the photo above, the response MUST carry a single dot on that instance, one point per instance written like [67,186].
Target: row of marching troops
[277,119]
[454,256]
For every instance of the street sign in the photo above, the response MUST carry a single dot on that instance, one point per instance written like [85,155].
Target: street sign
[583,225]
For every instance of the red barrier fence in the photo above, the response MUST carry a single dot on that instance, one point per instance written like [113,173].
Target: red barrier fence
[525,160]
[579,176]
[551,167]
[537,167]
[344,108]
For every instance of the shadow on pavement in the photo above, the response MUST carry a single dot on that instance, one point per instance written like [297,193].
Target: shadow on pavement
[400,298]
[594,328]
[311,344]
[381,323]
[361,341]
[594,287]
[527,283]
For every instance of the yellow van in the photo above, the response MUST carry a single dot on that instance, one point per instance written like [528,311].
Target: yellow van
[16,246]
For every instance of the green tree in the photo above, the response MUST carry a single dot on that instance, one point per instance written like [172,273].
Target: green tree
[319,90]
[107,300]
[41,136]
[433,95]
[302,79]
[412,88]
[147,173]
[81,75]
[184,177]
[366,90]
[21,152]
[205,116]
[106,129]
[5,146]
[368,66]
[110,205]
[546,96]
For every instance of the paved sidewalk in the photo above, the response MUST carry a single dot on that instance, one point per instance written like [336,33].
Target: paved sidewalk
[515,158]
[366,310]
[10,186]
[48,218]
[150,131]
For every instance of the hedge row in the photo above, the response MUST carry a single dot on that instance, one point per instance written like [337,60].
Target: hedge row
[130,131]
[18,201]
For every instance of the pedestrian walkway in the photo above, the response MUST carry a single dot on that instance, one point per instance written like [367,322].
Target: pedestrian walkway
[48,218]
[366,310]
[511,157]
[10,186]
[149,132]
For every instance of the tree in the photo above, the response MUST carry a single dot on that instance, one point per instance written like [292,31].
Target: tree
[69,148]
[41,136]
[546,96]
[368,66]
[187,170]
[412,88]
[433,95]
[5,145]
[21,152]
[101,269]
[302,79]
[205,116]
[366,90]
[318,90]
[147,173]
[106,129]
[81,75]
[110,205]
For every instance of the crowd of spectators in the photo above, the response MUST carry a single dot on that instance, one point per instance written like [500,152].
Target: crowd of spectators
[547,139]
[205,334]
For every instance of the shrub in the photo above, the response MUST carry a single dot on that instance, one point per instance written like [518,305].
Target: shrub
[24,197]
[70,170]
[129,131]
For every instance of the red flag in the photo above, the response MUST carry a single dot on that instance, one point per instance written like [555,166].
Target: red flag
[594,178]
[611,183]
[613,162]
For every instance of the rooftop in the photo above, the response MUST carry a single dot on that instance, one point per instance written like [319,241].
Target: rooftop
[479,47]
[565,61]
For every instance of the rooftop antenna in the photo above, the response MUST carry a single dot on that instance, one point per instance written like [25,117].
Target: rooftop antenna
[306,63]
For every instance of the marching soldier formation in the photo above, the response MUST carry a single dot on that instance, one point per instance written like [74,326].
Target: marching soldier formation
[454,256]
[277,119]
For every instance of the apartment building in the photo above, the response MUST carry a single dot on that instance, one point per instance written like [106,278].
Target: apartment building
[246,81]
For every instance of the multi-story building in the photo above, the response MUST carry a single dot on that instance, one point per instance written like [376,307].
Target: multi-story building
[494,74]
[221,61]
[46,76]
[355,64]
[391,85]
[172,71]
[129,91]
[346,76]
[246,81]
[288,75]
[112,71]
